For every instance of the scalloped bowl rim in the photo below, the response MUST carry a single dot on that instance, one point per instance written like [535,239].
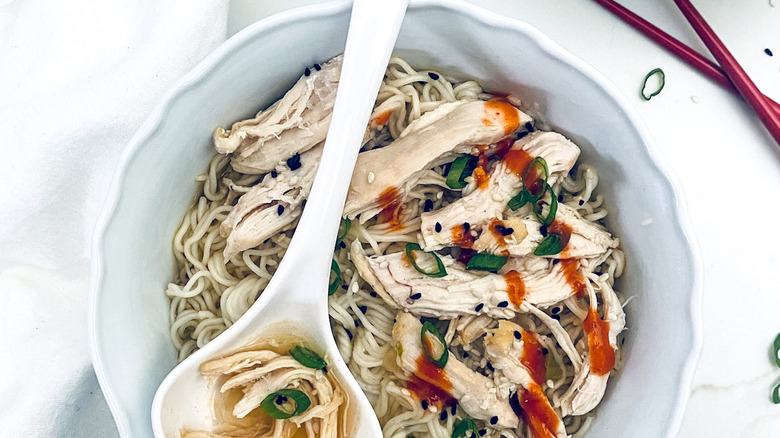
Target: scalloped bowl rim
[202,71]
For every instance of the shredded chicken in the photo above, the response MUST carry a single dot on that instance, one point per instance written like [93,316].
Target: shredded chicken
[294,124]
[517,354]
[384,176]
[471,389]
[271,206]
[464,292]
[439,228]
[587,239]
[588,387]
[472,327]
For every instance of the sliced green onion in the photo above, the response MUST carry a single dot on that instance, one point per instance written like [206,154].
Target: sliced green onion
[486,262]
[661,78]
[442,358]
[298,398]
[536,163]
[461,168]
[776,394]
[334,284]
[551,245]
[547,220]
[552,370]
[526,195]
[412,248]
[777,350]
[464,426]
[344,227]
[520,200]
[308,358]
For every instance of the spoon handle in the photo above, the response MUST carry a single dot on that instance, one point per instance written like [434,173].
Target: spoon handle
[373,30]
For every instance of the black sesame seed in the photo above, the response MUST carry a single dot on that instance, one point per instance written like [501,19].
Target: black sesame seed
[307,72]
[529,127]
[504,231]
[372,293]
[437,227]
[362,309]
[325,370]
[342,244]
[521,134]
[274,174]
[349,333]
[453,409]
[466,226]
[581,202]
[317,67]
[482,432]
[514,402]
[768,52]
[421,82]
[518,335]
[465,354]
[416,296]
[479,307]
[443,415]
[543,230]
[503,304]
[494,420]
[427,205]
[556,310]
[344,286]
[294,162]
[545,351]
[280,210]
[280,399]
[490,366]
[556,317]
[424,404]
[435,77]
[560,198]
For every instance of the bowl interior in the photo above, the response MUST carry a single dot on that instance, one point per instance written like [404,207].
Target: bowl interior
[132,351]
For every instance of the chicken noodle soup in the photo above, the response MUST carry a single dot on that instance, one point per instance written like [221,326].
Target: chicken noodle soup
[473,278]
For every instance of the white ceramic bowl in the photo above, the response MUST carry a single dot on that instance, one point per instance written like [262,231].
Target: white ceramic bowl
[133,261]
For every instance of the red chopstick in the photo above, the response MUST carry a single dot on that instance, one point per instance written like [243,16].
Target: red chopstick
[677,47]
[733,70]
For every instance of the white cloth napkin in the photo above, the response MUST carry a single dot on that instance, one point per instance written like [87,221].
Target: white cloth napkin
[76,80]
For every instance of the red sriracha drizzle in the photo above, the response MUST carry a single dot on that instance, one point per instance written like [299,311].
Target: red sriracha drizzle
[531,404]
[431,383]
[392,210]
[602,355]
[533,356]
[535,410]
[515,287]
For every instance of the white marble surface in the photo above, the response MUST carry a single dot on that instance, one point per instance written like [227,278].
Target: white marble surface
[728,165]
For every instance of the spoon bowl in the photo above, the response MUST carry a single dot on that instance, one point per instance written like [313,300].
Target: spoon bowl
[295,301]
